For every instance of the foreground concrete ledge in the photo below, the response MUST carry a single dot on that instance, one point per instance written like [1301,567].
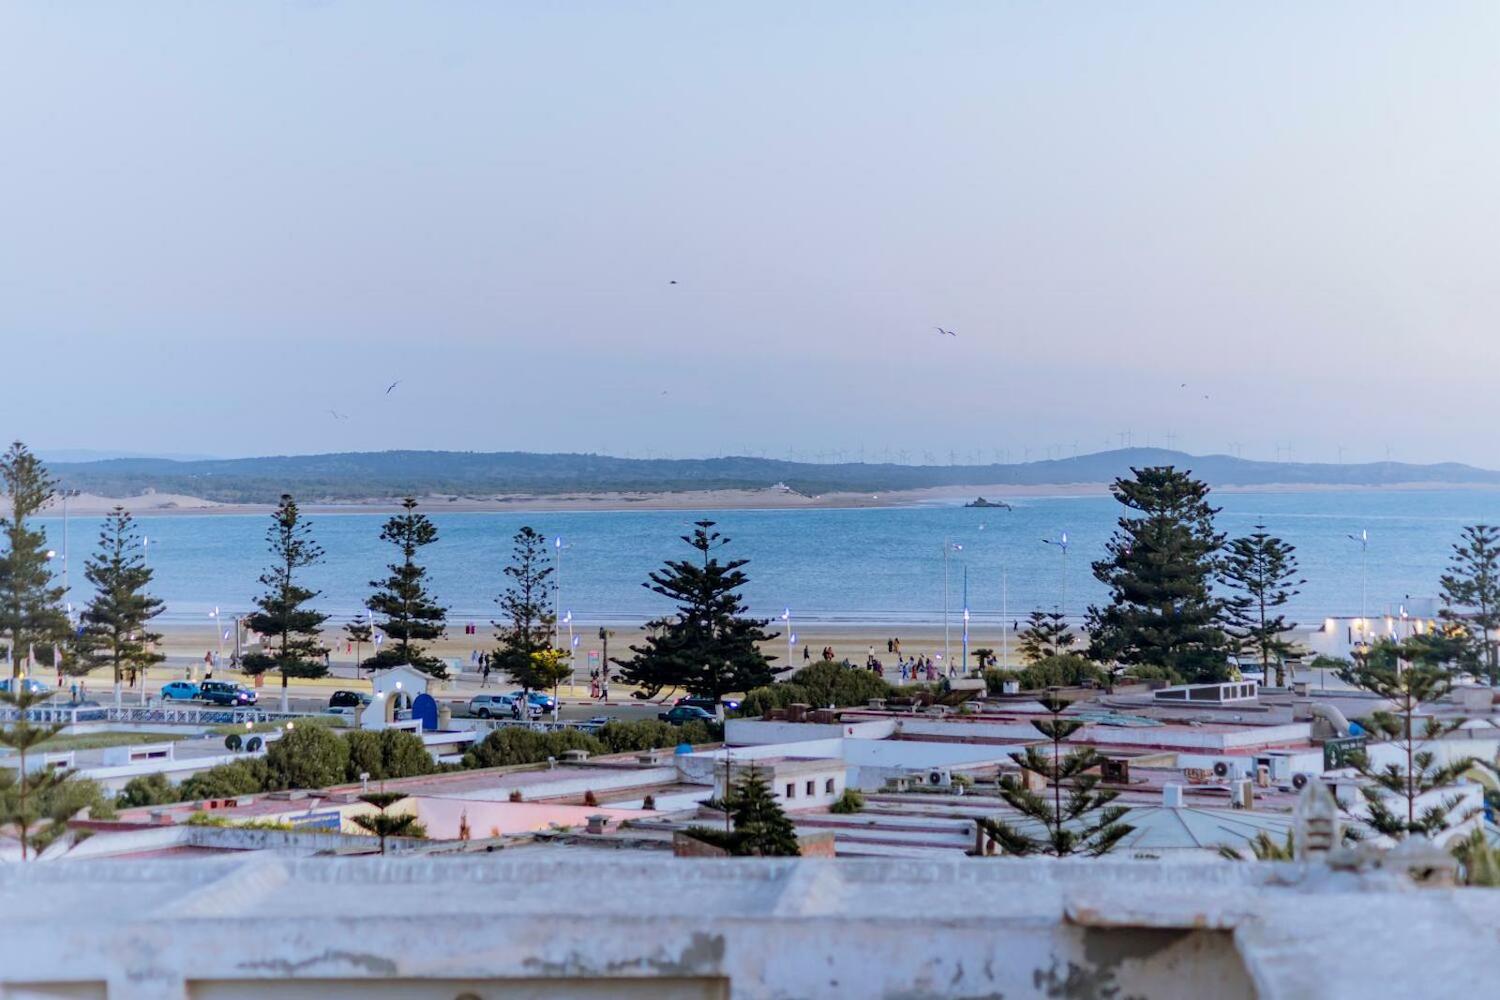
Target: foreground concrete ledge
[519,924]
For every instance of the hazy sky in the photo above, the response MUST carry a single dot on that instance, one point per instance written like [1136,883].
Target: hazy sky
[219,221]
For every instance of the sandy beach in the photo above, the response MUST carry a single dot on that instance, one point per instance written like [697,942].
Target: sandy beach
[153,504]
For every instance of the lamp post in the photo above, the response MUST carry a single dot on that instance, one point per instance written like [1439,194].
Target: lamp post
[947,547]
[791,637]
[67,590]
[966,618]
[557,546]
[1004,614]
[1363,538]
[1062,543]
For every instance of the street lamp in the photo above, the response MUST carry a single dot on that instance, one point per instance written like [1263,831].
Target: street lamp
[557,545]
[1363,538]
[1062,543]
[947,547]
[791,637]
[67,590]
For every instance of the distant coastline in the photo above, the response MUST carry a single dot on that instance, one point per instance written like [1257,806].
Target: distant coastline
[152,504]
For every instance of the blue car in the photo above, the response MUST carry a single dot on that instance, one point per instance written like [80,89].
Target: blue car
[29,685]
[179,691]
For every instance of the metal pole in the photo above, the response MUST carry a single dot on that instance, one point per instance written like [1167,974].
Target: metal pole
[945,599]
[1004,614]
[557,596]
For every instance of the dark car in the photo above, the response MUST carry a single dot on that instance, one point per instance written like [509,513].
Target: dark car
[348,699]
[707,704]
[679,714]
[225,693]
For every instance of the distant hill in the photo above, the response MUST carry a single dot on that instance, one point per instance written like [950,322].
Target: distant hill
[388,474]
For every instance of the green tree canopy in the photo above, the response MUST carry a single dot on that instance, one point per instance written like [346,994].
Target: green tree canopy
[282,612]
[1046,634]
[31,606]
[1073,817]
[1159,568]
[760,827]
[116,621]
[406,612]
[708,647]
[1471,599]
[527,618]
[1261,573]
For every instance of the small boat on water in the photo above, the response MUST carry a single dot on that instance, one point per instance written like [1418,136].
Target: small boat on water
[982,502]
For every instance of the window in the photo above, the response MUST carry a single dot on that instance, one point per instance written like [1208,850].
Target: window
[828,786]
[791,790]
[811,786]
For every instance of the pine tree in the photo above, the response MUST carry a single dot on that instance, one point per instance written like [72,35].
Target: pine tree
[1159,568]
[1074,817]
[1260,570]
[1471,598]
[1406,675]
[760,827]
[526,628]
[1046,635]
[283,613]
[115,623]
[708,647]
[408,614]
[31,607]
[34,802]
[385,824]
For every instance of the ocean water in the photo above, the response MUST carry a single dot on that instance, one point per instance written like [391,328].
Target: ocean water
[829,566]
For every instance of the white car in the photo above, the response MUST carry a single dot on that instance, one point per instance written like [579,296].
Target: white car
[493,706]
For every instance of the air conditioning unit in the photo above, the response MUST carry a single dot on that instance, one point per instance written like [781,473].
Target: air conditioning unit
[939,777]
[1229,769]
[1300,780]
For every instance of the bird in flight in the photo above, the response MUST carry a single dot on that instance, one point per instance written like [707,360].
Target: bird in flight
[672,282]
[392,386]
[335,414]
[945,333]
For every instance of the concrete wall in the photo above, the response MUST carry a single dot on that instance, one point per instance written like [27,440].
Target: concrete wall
[544,924]
[750,732]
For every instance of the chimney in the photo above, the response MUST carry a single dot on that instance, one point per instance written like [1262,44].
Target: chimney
[1171,796]
[1242,793]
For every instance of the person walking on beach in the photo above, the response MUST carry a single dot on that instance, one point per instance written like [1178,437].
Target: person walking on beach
[484,672]
[806,653]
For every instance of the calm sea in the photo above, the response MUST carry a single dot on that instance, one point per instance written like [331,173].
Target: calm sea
[833,566]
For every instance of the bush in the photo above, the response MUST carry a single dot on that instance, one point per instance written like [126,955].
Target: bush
[147,790]
[653,734]
[512,745]
[852,801]
[994,680]
[388,753]
[1062,670]
[307,757]
[825,683]
[241,777]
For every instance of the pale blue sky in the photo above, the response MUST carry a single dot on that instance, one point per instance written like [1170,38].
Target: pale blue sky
[221,220]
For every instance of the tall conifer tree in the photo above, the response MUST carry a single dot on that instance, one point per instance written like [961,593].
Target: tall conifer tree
[1261,572]
[405,611]
[1159,569]
[525,628]
[1471,599]
[283,613]
[708,647]
[31,606]
[116,622]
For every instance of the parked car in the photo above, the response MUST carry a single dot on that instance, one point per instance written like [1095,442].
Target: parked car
[679,714]
[225,693]
[540,701]
[30,685]
[179,691]
[707,704]
[492,706]
[348,699]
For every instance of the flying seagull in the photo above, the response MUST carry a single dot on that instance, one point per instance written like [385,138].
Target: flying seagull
[945,333]
[392,386]
[335,414]
[672,282]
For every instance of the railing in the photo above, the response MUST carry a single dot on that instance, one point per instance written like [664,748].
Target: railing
[176,716]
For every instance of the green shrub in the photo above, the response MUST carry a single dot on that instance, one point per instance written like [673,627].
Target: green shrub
[513,745]
[307,757]
[653,734]
[825,683]
[852,801]
[388,753]
[147,790]
[240,777]
[994,680]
